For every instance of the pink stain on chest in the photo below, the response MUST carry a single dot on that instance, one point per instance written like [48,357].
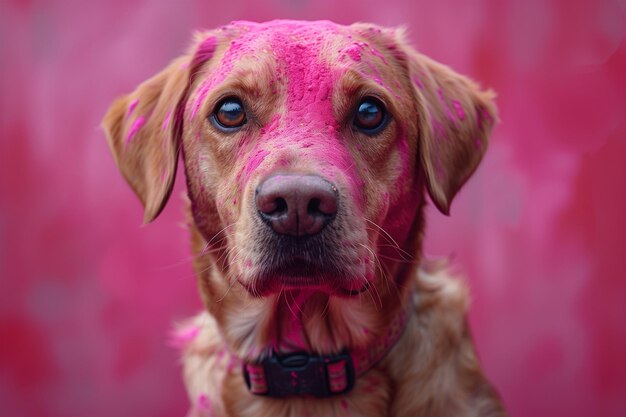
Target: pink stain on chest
[137,124]
[181,338]
[205,405]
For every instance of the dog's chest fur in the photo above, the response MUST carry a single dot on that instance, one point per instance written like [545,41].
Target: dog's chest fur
[426,373]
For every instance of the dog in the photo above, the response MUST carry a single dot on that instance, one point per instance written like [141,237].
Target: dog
[308,150]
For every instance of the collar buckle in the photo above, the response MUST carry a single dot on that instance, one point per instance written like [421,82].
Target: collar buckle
[301,373]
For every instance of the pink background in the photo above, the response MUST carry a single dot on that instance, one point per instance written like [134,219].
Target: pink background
[87,296]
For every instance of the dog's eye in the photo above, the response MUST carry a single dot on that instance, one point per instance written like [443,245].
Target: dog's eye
[229,114]
[370,116]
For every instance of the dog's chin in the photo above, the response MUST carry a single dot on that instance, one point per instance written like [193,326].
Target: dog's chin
[306,278]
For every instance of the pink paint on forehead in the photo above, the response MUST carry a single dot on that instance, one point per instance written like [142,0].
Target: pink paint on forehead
[354,51]
[237,49]
[307,123]
[204,52]
[377,53]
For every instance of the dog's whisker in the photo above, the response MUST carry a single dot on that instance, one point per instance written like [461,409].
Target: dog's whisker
[188,259]
[233,280]
[206,246]
[293,298]
[401,261]
[385,275]
[226,256]
[293,313]
[375,259]
[326,309]
[390,239]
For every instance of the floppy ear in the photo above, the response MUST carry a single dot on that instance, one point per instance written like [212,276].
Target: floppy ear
[142,139]
[455,120]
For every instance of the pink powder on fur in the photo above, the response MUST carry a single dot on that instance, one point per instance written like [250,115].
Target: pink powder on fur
[182,337]
[459,109]
[438,129]
[204,90]
[272,125]
[354,51]
[132,106]
[204,403]
[166,122]
[204,52]
[137,124]
[377,53]
[477,143]
[344,405]
[418,82]
[444,104]
[253,163]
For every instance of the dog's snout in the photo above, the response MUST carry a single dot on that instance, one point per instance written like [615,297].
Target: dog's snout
[296,205]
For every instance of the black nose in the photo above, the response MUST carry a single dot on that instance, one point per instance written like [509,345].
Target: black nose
[296,205]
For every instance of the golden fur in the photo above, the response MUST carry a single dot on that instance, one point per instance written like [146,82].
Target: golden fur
[436,138]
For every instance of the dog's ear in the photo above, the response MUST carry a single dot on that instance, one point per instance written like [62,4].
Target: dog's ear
[144,128]
[142,139]
[455,121]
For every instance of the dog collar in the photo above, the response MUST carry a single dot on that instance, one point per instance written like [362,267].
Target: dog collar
[321,376]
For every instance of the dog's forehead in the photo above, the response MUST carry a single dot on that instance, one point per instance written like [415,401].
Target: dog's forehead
[308,57]
[277,34]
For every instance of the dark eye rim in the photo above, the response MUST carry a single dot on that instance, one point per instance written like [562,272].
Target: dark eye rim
[383,123]
[215,121]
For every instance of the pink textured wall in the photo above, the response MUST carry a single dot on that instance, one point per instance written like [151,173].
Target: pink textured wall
[87,296]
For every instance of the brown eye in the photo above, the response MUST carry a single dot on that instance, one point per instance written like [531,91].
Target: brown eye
[370,116]
[229,115]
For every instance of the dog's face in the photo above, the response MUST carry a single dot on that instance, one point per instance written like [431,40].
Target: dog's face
[307,148]
[297,136]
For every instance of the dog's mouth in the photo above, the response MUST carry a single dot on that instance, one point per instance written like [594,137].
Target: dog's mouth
[302,274]
[330,261]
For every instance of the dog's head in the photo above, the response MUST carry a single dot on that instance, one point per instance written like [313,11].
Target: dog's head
[307,148]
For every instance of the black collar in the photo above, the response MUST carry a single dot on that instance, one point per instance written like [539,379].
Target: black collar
[322,376]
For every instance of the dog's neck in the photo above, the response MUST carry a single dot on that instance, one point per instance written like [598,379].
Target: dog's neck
[290,333]
[292,367]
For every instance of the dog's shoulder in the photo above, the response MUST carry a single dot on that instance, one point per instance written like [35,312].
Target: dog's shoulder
[435,363]
[441,290]
[205,360]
